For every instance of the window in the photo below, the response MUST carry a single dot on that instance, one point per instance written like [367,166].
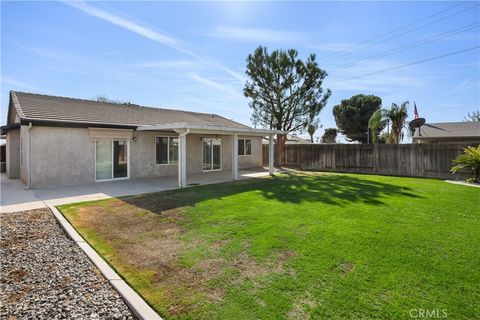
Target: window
[244,147]
[166,149]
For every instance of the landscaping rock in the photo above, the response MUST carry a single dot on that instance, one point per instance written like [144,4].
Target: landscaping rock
[45,275]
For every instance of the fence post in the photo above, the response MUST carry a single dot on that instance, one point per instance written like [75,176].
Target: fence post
[334,162]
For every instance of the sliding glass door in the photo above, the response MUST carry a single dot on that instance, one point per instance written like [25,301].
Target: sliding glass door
[212,154]
[103,160]
[120,159]
[111,160]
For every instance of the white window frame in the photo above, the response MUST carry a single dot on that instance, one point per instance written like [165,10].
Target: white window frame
[169,163]
[244,147]
[211,155]
[128,159]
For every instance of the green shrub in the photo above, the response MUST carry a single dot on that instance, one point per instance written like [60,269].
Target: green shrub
[469,160]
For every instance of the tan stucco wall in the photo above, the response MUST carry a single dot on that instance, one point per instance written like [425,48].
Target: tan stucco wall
[143,162]
[24,158]
[254,160]
[13,154]
[194,153]
[66,156]
[142,156]
[62,156]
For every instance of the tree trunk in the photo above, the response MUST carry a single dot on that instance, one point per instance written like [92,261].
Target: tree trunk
[279,147]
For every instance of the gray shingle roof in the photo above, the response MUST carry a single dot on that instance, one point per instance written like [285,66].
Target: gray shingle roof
[449,130]
[38,106]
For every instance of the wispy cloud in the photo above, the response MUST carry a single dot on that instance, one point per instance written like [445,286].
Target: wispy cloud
[214,84]
[348,79]
[332,47]
[149,33]
[255,34]
[76,63]
[15,84]
[165,64]
[127,24]
[462,84]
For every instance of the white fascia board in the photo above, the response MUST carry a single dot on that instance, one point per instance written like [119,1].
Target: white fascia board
[205,129]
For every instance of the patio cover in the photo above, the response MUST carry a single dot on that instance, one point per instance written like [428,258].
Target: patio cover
[184,128]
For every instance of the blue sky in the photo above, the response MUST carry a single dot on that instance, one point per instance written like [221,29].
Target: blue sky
[191,55]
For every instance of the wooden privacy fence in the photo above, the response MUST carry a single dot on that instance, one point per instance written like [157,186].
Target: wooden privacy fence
[415,160]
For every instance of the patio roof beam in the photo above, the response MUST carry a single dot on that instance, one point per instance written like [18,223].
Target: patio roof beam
[182,159]
[209,129]
[235,157]
[270,154]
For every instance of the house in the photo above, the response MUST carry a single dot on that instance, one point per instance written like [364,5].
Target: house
[448,132]
[291,139]
[54,141]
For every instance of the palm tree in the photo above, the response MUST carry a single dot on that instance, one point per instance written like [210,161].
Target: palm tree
[397,115]
[376,123]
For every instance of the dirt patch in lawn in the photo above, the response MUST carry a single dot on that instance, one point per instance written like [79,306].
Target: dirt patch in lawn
[151,240]
[345,268]
[301,307]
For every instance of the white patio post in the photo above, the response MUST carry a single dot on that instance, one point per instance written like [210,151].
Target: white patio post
[182,160]
[235,157]
[270,154]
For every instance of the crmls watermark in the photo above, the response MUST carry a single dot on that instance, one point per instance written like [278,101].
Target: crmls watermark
[428,313]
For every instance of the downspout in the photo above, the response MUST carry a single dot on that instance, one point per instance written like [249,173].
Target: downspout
[29,178]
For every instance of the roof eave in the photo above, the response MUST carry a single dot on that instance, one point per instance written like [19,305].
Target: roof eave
[76,124]
[8,127]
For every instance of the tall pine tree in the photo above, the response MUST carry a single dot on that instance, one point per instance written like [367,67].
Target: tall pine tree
[285,91]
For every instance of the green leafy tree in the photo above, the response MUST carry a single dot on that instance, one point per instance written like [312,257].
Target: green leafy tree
[329,136]
[285,91]
[312,128]
[376,123]
[352,116]
[472,117]
[469,160]
[383,138]
[101,98]
[397,115]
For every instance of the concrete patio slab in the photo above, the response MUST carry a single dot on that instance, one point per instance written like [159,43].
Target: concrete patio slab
[15,197]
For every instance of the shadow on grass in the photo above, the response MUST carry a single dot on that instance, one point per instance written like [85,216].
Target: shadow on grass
[292,188]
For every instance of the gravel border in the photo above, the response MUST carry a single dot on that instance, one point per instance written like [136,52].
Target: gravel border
[45,274]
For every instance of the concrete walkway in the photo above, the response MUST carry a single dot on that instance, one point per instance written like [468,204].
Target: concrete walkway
[14,196]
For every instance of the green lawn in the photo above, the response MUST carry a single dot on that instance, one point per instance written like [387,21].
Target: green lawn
[303,246]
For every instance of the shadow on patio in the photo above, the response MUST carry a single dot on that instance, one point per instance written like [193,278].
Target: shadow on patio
[15,197]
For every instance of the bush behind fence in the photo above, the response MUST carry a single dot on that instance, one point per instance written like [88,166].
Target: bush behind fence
[414,160]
